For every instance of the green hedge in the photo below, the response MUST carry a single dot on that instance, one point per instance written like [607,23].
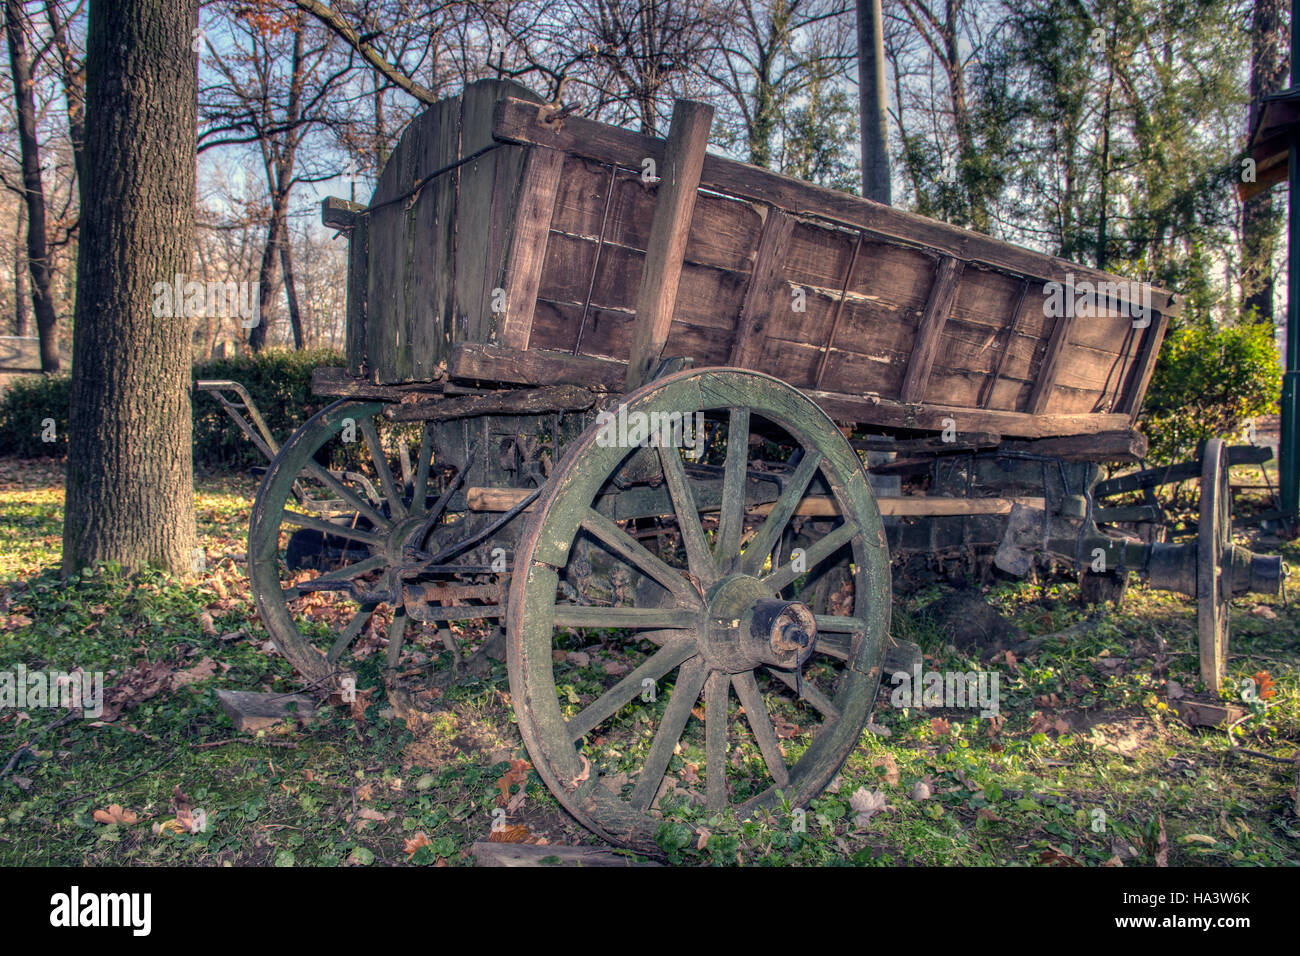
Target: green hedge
[279,381]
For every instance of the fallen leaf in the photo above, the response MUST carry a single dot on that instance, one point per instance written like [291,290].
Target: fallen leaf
[1199,838]
[510,833]
[921,791]
[415,843]
[114,814]
[940,726]
[1162,842]
[890,767]
[517,774]
[1264,611]
[206,625]
[866,804]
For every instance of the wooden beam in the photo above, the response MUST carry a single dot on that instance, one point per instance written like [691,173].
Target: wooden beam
[683,158]
[871,410]
[1146,367]
[522,401]
[823,506]
[340,213]
[926,346]
[1127,444]
[495,363]
[767,291]
[517,122]
[541,182]
[1041,393]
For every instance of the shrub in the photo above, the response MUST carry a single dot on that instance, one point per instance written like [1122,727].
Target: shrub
[279,381]
[1209,381]
[25,411]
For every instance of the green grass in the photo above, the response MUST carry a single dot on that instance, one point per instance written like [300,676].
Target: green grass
[1088,763]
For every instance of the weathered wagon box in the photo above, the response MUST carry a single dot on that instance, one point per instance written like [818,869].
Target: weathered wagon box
[499,222]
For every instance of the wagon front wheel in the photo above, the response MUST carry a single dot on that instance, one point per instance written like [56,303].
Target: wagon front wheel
[691,682]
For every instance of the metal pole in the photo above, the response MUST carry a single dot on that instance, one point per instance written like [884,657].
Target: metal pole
[872,104]
[1289,444]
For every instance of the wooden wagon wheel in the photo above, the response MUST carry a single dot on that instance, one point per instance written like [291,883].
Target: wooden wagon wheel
[326,538]
[618,748]
[1214,563]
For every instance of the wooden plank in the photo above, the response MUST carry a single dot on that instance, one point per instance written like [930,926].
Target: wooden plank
[487,853]
[495,363]
[683,158]
[528,246]
[870,410]
[517,122]
[1047,371]
[486,200]
[251,711]
[767,291]
[1126,444]
[821,506]
[937,308]
[1008,342]
[354,332]
[510,401]
[338,213]
[1146,366]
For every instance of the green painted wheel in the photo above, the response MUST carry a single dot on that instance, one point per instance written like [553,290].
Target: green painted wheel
[326,538]
[606,683]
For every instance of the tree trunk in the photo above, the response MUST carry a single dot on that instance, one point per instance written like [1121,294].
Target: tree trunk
[38,261]
[22,318]
[130,491]
[74,86]
[290,292]
[1259,223]
[265,283]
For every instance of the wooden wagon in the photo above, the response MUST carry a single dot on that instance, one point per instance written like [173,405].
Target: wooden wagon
[613,396]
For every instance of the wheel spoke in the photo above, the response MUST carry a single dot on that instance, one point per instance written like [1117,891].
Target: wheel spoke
[698,556]
[716,694]
[824,705]
[761,724]
[420,490]
[404,460]
[765,539]
[819,552]
[350,633]
[395,506]
[300,520]
[580,615]
[731,520]
[348,572]
[347,494]
[832,646]
[838,624]
[628,548]
[625,691]
[690,681]
[396,637]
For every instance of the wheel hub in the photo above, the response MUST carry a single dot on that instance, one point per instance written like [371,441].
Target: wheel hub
[744,627]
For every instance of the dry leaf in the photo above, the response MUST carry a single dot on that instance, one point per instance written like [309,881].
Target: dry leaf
[114,814]
[415,843]
[940,726]
[866,804]
[511,833]
[1162,842]
[890,767]
[517,774]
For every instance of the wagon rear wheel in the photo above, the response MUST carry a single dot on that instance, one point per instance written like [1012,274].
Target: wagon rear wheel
[703,688]
[341,501]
